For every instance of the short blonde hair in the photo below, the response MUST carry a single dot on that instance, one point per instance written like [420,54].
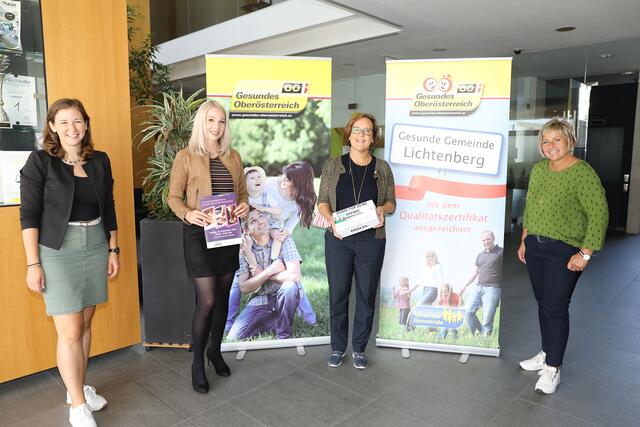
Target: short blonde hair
[563,126]
[197,142]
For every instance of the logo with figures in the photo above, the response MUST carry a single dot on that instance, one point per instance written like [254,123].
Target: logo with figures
[444,96]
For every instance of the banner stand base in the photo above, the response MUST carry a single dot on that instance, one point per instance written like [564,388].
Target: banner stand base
[240,355]
[464,358]
[405,353]
[301,351]
[445,348]
[269,344]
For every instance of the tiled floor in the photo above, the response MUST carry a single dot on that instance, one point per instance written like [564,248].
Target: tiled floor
[600,378]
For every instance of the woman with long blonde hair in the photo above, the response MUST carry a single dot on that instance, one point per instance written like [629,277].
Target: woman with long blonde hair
[207,166]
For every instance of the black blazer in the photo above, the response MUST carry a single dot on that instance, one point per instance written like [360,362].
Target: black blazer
[46,193]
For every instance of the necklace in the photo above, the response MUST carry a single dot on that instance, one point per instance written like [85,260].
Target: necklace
[72,162]
[214,153]
[353,184]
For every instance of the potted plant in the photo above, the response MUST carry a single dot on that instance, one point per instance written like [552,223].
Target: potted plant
[168,295]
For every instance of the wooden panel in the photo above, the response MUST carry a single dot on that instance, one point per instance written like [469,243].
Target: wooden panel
[86,57]
[142,24]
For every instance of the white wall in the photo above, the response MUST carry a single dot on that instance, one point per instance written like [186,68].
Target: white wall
[367,91]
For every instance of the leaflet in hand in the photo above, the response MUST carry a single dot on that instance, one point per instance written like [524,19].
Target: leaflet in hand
[224,227]
[356,218]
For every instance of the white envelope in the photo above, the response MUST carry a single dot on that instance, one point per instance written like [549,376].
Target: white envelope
[356,218]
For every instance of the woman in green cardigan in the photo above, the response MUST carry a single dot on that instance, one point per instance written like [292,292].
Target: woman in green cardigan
[565,221]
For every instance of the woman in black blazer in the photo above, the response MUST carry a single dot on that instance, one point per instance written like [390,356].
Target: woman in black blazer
[69,233]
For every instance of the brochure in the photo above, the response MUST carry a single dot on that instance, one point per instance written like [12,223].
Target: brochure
[224,226]
[10,25]
[19,96]
[356,218]
[10,164]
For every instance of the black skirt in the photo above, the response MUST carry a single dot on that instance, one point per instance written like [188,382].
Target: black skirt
[203,262]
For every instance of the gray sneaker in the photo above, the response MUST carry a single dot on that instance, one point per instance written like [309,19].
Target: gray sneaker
[359,361]
[335,359]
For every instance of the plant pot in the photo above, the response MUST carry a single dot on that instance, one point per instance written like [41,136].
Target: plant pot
[169,295]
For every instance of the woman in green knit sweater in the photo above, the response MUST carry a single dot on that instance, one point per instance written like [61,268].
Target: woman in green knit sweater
[565,221]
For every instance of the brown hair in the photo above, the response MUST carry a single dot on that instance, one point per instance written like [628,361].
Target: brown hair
[51,141]
[301,175]
[346,133]
[244,223]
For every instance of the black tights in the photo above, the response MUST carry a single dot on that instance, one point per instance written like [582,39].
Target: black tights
[210,316]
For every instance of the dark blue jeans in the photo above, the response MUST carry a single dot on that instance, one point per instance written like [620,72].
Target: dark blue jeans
[553,285]
[362,256]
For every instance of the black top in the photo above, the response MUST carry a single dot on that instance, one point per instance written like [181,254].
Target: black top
[345,188]
[221,179]
[46,192]
[85,202]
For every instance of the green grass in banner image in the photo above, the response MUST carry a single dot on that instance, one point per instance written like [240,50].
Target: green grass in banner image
[310,244]
[391,330]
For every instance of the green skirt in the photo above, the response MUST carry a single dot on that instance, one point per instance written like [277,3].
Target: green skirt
[75,276]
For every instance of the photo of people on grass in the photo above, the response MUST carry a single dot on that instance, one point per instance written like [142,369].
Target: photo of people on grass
[453,298]
[280,290]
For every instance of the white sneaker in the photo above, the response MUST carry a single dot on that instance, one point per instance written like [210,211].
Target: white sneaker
[548,381]
[81,416]
[536,363]
[93,399]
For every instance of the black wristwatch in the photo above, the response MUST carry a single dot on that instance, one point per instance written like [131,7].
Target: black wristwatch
[115,250]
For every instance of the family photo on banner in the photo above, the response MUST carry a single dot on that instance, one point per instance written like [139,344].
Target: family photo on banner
[280,122]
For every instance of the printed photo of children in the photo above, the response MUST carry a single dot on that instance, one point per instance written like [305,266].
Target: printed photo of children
[447,298]
[219,217]
[231,216]
[402,295]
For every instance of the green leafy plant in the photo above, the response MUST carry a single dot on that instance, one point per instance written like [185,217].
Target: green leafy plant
[168,128]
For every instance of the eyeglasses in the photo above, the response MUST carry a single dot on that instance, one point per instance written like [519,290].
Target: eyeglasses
[366,131]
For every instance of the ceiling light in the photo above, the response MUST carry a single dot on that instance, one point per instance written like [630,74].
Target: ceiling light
[605,55]
[565,29]
[439,49]
[628,73]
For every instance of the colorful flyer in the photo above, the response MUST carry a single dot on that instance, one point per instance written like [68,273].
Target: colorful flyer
[446,141]
[223,227]
[280,122]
